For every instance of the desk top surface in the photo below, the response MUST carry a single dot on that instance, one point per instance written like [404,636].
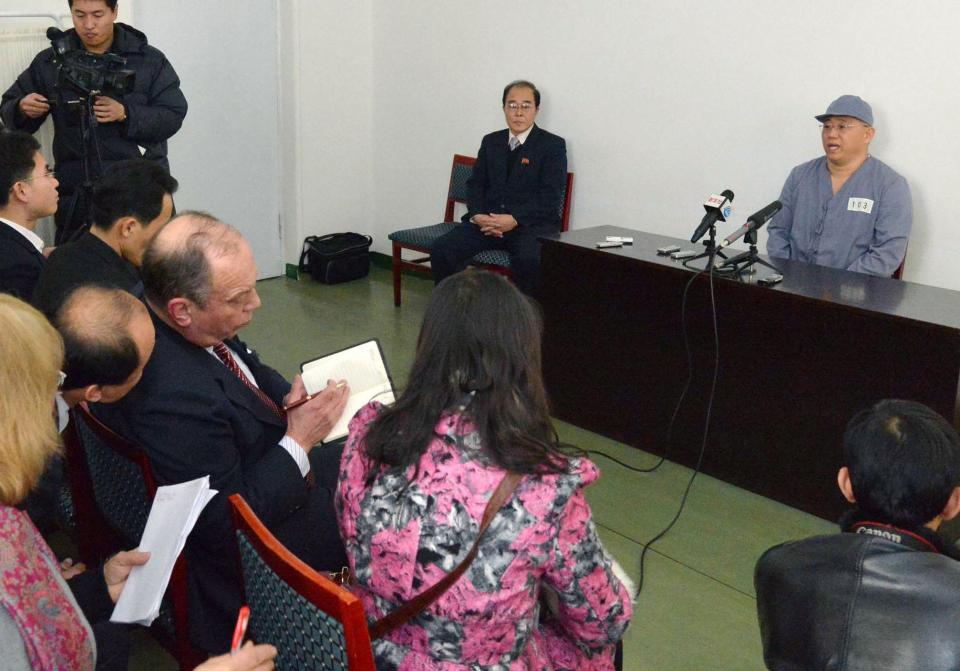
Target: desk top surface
[897,298]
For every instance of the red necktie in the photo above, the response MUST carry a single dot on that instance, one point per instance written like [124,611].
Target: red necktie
[225,356]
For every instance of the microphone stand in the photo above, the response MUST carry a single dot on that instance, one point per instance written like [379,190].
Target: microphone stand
[710,247]
[744,262]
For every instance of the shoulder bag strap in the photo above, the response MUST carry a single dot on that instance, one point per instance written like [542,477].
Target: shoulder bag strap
[302,265]
[412,608]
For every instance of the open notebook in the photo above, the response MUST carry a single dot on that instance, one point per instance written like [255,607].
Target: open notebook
[364,369]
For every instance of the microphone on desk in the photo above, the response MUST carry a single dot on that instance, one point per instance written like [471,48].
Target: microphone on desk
[754,221]
[717,208]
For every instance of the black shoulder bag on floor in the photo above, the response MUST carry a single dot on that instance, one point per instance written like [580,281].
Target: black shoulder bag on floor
[335,258]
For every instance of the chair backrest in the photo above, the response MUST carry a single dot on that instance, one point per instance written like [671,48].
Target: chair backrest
[460,172]
[565,199]
[120,477]
[898,273]
[113,485]
[313,622]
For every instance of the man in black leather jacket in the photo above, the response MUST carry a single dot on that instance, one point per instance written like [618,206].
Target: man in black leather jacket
[885,593]
[129,125]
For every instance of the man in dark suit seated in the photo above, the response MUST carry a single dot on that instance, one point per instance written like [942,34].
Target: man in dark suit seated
[107,339]
[883,594]
[514,194]
[28,192]
[206,405]
[131,202]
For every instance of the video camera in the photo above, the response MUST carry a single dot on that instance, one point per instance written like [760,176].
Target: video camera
[88,74]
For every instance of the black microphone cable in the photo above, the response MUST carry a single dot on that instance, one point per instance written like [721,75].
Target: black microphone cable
[668,442]
[706,427]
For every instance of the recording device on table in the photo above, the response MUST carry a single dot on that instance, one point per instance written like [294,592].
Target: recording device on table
[718,208]
[770,280]
[745,262]
[614,241]
[754,222]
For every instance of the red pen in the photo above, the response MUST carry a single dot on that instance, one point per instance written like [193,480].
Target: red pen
[310,397]
[297,404]
[240,630]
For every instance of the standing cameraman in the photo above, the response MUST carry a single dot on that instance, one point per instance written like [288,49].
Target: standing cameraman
[122,125]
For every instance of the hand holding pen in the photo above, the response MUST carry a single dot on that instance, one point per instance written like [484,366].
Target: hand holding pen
[309,420]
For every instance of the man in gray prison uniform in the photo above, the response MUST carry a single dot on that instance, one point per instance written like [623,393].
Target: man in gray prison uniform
[845,209]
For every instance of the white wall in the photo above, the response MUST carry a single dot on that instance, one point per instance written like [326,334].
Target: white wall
[661,104]
[60,8]
[327,98]
[225,156]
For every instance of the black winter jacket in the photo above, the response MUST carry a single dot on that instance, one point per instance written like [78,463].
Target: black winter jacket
[155,107]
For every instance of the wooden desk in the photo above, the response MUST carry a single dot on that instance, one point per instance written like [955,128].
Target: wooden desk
[797,359]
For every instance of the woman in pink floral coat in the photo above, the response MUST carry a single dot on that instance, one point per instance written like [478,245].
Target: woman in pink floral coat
[416,477]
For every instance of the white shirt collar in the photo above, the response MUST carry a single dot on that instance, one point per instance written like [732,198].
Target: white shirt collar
[63,412]
[523,136]
[240,362]
[32,237]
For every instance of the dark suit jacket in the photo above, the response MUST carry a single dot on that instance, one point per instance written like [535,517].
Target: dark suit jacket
[532,192]
[20,264]
[194,417]
[87,260]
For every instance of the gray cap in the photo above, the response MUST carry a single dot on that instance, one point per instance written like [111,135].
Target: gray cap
[848,105]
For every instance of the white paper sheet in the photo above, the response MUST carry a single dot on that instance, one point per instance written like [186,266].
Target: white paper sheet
[174,512]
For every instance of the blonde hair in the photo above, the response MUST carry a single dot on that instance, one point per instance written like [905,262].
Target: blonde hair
[31,353]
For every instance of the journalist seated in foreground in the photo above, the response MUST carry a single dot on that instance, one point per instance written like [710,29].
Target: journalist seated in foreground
[883,594]
[47,608]
[415,481]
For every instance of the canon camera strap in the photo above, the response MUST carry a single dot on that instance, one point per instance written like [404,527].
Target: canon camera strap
[909,539]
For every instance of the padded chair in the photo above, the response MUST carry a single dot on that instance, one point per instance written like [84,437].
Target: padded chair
[313,622]
[898,273]
[422,239]
[113,488]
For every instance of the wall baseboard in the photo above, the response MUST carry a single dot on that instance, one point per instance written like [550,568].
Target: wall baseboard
[382,260]
[378,259]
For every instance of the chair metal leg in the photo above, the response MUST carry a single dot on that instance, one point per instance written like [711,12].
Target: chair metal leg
[396,274]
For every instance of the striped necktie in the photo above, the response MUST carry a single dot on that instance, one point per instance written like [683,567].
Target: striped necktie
[220,349]
[514,142]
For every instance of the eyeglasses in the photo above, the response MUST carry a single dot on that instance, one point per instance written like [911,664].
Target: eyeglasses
[49,172]
[525,107]
[839,127]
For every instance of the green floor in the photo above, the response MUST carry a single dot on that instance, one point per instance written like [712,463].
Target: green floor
[697,609]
